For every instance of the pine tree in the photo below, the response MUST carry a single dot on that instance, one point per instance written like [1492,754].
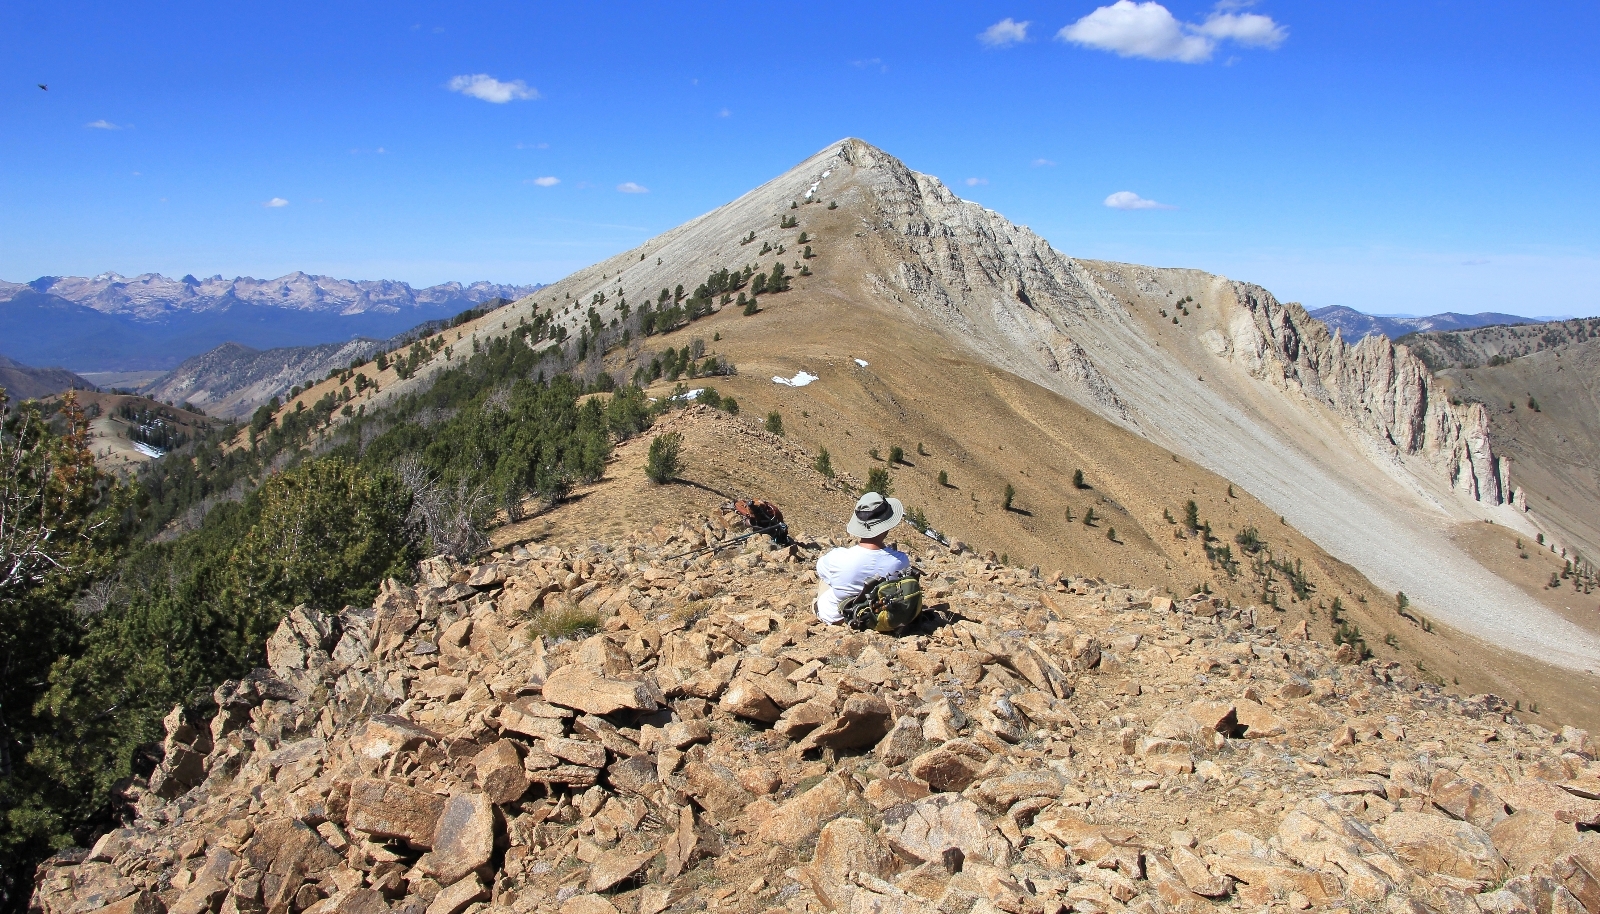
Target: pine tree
[1010,495]
[824,464]
[878,481]
[662,463]
[775,422]
[1077,480]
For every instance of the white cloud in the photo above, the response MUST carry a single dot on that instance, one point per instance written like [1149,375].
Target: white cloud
[102,124]
[1251,29]
[1127,199]
[486,87]
[275,203]
[628,187]
[1004,34]
[546,181]
[1042,163]
[724,113]
[974,182]
[1147,29]
[1138,30]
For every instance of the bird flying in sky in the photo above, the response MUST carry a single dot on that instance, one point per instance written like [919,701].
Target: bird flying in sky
[44,87]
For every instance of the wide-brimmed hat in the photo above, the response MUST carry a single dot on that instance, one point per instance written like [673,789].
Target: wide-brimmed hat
[875,516]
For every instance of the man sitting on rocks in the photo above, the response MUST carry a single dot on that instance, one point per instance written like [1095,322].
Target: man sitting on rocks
[842,572]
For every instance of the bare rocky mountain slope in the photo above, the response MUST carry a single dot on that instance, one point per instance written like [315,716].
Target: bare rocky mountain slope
[1540,386]
[1356,445]
[231,381]
[24,382]
[1037,744]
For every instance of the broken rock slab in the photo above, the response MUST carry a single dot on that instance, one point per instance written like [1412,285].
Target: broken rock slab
[386,809]
[928,829]
[584,689]
[463,840]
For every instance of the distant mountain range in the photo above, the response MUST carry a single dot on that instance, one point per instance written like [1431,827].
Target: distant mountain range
[1355,325]
[116,323]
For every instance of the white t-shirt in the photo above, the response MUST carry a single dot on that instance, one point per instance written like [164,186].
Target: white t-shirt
[844,571]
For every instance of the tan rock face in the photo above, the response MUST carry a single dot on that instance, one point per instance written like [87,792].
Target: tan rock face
[845,846]
[746,698]
[583,689]
[615,866]
[500,773]
[863,721]
[385,735]
[952,766]
[943,822]
[459,895]
[463,839]
[1434,844]
[384,809]
[798,820]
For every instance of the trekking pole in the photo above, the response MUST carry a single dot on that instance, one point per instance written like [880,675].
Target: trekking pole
[715,546]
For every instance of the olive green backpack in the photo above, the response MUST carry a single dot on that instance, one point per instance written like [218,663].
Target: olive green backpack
[885,605]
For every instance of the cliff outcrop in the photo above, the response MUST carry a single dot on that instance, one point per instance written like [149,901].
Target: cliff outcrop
[1070,324]
[1381,388]
[1037,743]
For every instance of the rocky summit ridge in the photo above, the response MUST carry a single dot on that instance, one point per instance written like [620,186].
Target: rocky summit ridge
[1357,445]
[1038,743]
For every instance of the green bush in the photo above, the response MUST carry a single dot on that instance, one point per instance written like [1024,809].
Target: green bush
[824,464]
[897,454]
[662,463]
[1009,496]
[1077,480]
[944,479]
[775,422]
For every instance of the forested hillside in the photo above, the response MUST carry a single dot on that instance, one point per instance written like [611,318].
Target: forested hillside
[122,598]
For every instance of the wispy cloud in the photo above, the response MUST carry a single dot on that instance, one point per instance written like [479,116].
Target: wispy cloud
[871,63]
[1475,262]
[546,181]
[724,113]
[486,87]
[1249,29]
[104,124]
[974,182]
[628,187]
[1004,34]
[1147,29]
[1042,163]
[533,145]
[276,203]
[1127,199]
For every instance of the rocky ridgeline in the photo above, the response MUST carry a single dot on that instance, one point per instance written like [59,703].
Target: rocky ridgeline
[1039,744]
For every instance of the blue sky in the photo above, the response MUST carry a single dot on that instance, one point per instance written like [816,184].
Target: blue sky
[1392,157]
